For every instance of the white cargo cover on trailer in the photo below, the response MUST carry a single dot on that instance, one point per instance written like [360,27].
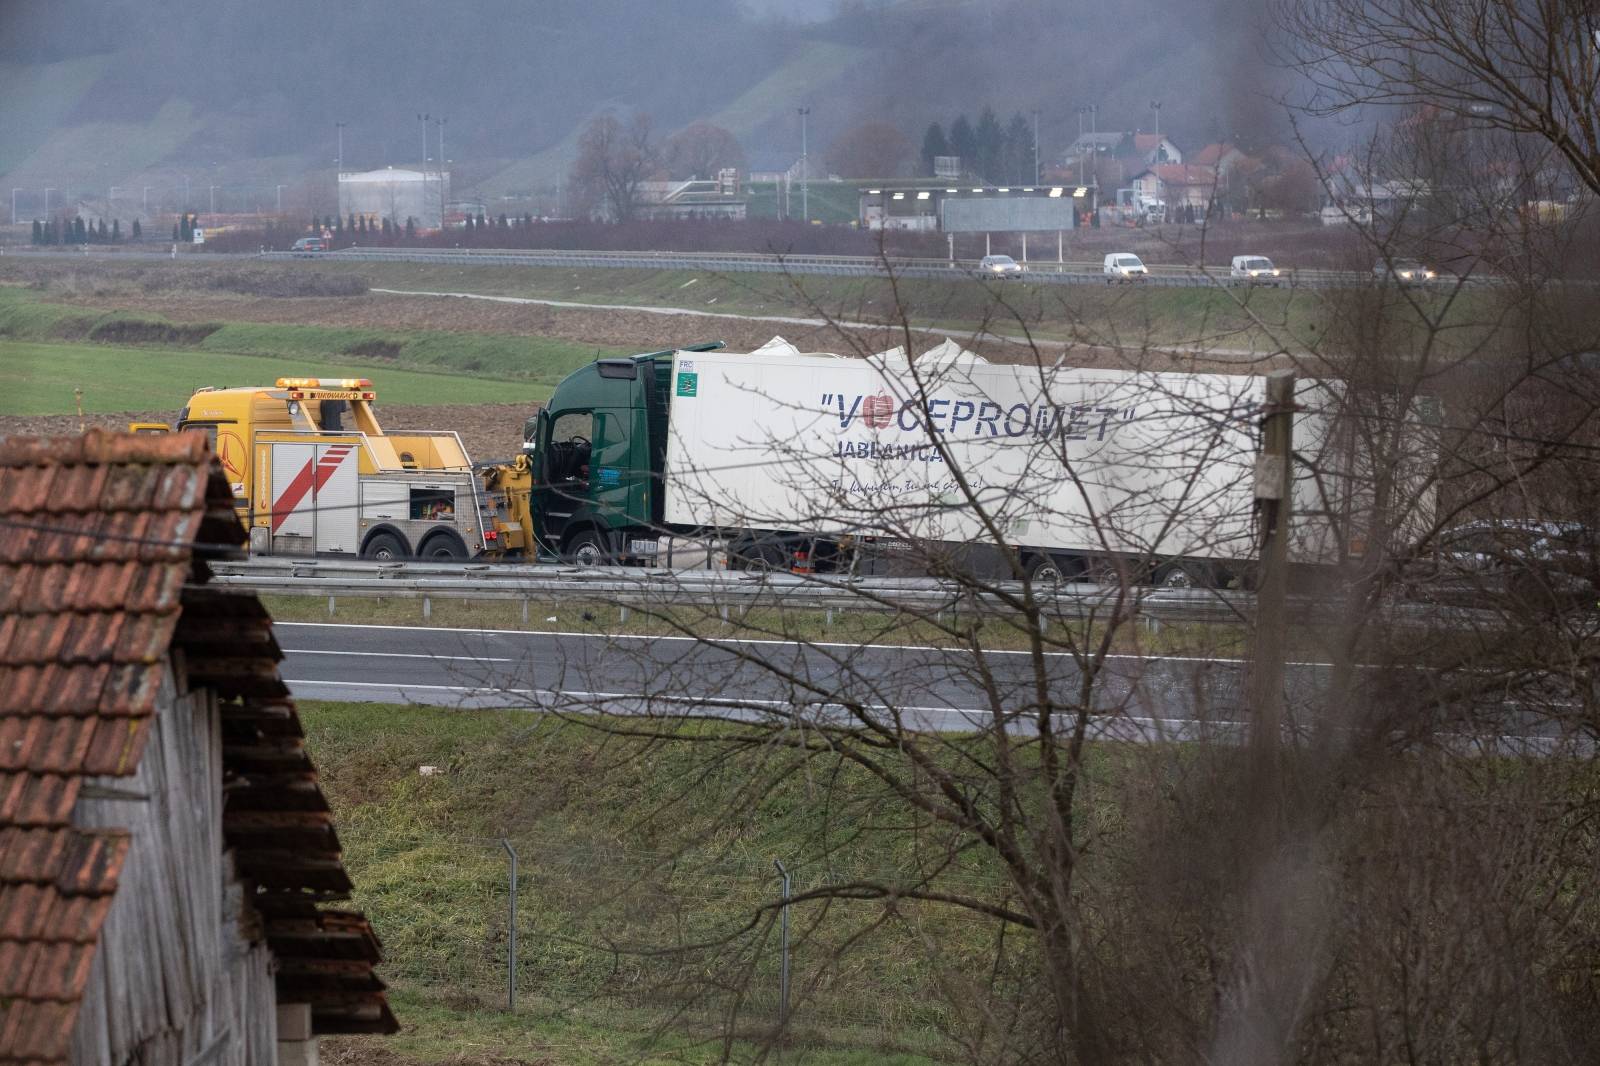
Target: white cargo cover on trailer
[1065,459]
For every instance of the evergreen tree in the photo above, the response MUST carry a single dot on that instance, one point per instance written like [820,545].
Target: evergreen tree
[102,235]
[990,141]
[933,144]
[1019,150]
[79,231]
[338,227]
[385,229]
[138,230]
[363,225]
[964,143]
[177,234]
[38,232]
[472,225]
[352,226]
[411,228]
[502,222]
[527,219]
[327,223]
[483,223]
[116,231]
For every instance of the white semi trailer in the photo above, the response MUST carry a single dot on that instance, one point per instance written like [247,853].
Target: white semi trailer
[827,461]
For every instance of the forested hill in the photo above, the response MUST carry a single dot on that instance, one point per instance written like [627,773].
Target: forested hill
[103,91]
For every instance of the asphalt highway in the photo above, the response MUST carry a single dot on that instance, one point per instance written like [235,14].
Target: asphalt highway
[1154,698]
[931,688]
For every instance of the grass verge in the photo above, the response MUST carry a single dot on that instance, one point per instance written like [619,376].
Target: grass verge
[854,627]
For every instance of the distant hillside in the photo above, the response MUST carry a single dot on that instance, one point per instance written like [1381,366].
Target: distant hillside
[245,96]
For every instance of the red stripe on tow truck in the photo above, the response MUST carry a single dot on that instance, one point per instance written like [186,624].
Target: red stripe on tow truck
[296,490]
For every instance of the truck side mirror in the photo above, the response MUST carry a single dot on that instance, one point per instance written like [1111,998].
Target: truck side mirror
[149,427]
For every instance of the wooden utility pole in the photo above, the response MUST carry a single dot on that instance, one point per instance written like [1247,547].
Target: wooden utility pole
[1274,477]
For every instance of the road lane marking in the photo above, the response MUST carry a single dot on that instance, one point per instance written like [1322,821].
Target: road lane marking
[713,642]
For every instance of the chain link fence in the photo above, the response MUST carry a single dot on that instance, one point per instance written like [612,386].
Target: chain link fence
[598,925]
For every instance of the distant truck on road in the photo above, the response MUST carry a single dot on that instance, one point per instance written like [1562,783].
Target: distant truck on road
[797,461]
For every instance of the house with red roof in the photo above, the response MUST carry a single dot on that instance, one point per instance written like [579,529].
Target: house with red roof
[169,868]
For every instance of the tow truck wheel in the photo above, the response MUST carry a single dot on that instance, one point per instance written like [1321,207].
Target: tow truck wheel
[384,548]
[588,548]
[443,546]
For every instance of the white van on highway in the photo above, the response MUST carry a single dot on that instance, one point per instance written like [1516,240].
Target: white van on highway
[1255,270]
[1124,266]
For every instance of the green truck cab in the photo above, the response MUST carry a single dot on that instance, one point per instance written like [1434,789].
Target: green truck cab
[595,458]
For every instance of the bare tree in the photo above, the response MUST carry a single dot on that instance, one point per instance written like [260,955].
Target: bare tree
[870,150]
[700,150]
[614,158]
[1524,67]
[1402,880]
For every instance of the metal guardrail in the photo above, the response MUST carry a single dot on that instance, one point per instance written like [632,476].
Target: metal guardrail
[717,589]
[1037,271]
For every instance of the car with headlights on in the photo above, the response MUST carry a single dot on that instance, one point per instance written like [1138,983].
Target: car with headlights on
[1254,270]
[1404,271]
[999,266]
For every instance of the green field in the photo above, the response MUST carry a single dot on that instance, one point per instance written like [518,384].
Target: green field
[634,844]
[127,361]
[38,379]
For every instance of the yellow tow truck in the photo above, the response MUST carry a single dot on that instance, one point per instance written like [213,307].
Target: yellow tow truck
[313,473]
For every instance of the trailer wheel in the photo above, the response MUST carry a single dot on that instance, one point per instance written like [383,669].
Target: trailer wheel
[384,548]
[1047,571]
[443,546]
[588,547]
[762,556]
[1184,574]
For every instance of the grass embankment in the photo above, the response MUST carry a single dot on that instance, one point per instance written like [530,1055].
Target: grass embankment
[853,627]
[133,362]
[626,848]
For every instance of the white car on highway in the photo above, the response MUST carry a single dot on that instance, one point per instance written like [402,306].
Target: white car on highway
[1405,271]
[999,266]
[1124,266]
[1255,270]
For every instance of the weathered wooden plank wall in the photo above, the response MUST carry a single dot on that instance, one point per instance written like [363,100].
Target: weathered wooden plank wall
[173,980]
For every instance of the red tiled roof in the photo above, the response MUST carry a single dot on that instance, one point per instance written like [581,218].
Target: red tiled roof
[1182,174]
[1211,154]
[102,546]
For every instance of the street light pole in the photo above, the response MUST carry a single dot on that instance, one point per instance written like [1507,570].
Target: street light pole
[1036,146]
[280,199]
[1155,105]
[423,120]
[14,206]
[213,199]
[145,210]
[339,164]
[47,191]
[441,121]
[805,200]
[186,204]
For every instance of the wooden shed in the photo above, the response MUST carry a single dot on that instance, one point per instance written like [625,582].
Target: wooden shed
[167,859]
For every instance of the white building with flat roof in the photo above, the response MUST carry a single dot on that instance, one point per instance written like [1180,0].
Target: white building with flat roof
[395,194]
